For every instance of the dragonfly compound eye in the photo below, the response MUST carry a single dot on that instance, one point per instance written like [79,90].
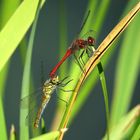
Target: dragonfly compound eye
[91,41]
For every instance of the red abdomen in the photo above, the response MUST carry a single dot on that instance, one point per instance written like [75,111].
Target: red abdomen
[67,54]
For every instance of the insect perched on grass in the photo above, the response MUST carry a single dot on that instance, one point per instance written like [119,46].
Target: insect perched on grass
[83,43]
[47,90]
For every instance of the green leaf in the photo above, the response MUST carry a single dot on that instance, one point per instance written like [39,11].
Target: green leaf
[43,127]
[12,133]
[127,71]
[105,94]
[15,29]
[48,136]
[136,135]
[6,10]
[121,130]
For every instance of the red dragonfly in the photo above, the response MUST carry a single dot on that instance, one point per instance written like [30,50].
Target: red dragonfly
[85,43]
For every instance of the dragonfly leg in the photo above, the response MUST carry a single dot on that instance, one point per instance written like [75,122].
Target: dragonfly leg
[66,90]
[81,58]
[82,61]
[64,84]
[79,63]
[81,55]
[63,79]
[96,52]
[62,100]
[90,51]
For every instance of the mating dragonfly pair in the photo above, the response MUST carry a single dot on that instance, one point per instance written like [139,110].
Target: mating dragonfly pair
[83,45]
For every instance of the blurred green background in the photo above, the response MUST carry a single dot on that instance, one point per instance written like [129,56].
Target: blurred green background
[90,121]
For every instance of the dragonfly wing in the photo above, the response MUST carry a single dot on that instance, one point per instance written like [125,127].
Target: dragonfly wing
[31,100]
[30,118]
[33,113]
[91,33]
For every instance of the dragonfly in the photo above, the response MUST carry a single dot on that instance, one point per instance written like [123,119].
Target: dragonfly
[48,89]
[86,43]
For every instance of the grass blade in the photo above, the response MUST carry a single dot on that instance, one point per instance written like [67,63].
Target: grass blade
[10,37]
[122,128]
[105,94]
[136,135]
[24,130]
[12,133]
[5,13]
[7,8]
[127,72]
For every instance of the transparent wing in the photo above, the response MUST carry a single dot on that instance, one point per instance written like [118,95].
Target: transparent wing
[91,33]
[31,100]
[31,117]
[36,102]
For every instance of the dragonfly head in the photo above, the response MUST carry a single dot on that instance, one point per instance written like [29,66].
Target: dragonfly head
[91,41]
[55,80]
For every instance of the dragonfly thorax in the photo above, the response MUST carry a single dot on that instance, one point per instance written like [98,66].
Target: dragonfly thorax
[50,85]
[80,43]
[77,45]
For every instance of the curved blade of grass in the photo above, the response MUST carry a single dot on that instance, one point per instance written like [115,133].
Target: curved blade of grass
[15,29]
[121,129]
[48,136]
[94,60]
[105,94]
[136,135]
[5,13]
[23,50]
[127,72]
[43,127]
[90,82]
[24,130]
[12,133]
[6,10]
